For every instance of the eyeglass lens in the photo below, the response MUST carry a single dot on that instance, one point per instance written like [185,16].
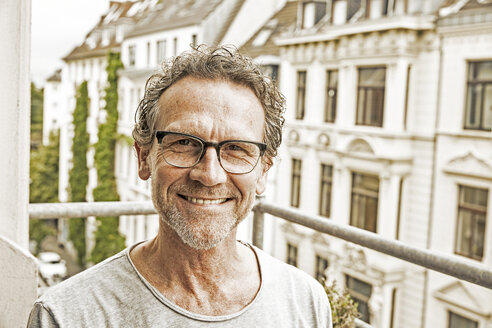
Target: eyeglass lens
[185,151]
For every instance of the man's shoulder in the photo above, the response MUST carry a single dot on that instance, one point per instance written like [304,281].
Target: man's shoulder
[288,287]
[282,273]
[95,278]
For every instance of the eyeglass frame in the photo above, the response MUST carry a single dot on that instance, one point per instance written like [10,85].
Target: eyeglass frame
[206,144]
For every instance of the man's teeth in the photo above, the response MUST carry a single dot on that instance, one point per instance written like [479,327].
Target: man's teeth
[206,201]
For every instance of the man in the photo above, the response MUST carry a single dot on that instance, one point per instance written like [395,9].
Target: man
[207,131]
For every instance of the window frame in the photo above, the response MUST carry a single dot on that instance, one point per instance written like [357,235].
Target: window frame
[364,195]
[330,112]
[325,189]
[370,110]
[301,94]
[359,297]
[296,178]
[320,269]
[484,84]
[320,11]
[476,210]
[175,45]
[132,55]
[292,254]
[161,49]
[451,313]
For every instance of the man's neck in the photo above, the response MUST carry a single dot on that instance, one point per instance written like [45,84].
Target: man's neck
[221,280]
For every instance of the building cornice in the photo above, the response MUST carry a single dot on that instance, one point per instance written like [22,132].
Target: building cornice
[333,32]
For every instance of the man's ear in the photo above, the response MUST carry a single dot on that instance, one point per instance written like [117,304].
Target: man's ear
[142,156]
[262,179]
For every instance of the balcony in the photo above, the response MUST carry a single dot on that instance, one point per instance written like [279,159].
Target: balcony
[453,266]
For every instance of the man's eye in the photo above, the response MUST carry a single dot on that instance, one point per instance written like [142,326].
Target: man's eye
[234,147]
[184,142]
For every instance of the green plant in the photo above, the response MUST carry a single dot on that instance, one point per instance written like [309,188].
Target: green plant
[343,307]
[37,96]
[43,173]
[79,173]
[108,239]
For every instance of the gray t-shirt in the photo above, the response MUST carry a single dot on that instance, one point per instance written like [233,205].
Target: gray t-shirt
[114,294]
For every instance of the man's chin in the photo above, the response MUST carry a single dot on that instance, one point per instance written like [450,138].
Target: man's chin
[203,233]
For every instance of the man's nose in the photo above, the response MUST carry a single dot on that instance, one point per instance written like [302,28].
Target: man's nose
[208,171]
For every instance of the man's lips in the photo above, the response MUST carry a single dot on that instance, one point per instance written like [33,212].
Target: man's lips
[205,201]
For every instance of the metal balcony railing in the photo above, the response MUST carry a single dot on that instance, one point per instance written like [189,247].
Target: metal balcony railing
[450,265]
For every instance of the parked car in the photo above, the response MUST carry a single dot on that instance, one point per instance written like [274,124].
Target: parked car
[52,267]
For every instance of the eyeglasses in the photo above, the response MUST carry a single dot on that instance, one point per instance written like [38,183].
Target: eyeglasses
[186,150]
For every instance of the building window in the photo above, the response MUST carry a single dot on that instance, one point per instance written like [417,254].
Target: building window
[325,190]
[312,13]
[295,192]
[301,94]
[161,51]
[148,54]
[353,6]
[360,292]
[291,255]
[470,229]
[457,321]
[271,71]
[478,115]
[193,40]
[321,266]
[175,42]
[131,55]
[370,96]
[364,209]
[331,96]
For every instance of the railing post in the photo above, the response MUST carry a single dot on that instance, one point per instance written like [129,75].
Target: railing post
[258,224]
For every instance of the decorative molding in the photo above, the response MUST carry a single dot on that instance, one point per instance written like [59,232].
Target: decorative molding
[360,146]
[294,136]
[356,258]
[320,239]
[462,296]
[324,140]
[469,165]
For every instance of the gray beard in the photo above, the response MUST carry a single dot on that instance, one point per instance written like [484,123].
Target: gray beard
[201,237]
[192,231]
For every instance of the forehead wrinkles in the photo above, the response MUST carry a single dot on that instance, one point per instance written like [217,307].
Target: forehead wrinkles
[210,99]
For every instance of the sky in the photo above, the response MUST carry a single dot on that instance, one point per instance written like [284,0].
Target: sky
[57,27]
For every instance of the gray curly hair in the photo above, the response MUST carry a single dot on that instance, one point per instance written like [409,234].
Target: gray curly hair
[223,63]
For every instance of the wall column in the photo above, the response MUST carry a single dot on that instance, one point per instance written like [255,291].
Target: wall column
[18,272]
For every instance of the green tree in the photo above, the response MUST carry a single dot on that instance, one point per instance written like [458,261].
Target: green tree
[37,96]
[79,173]
[43,172]
[108,239]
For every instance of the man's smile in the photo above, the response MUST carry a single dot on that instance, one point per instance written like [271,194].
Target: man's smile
[203,201]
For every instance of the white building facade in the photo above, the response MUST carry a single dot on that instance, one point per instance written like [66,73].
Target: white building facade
[375,138]
[462,218]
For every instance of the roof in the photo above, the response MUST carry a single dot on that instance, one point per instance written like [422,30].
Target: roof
[56,77]
[262,42]
[173,14]
[230,20]
[127,12]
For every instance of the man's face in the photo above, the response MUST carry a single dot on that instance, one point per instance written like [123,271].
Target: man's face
[204,204]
